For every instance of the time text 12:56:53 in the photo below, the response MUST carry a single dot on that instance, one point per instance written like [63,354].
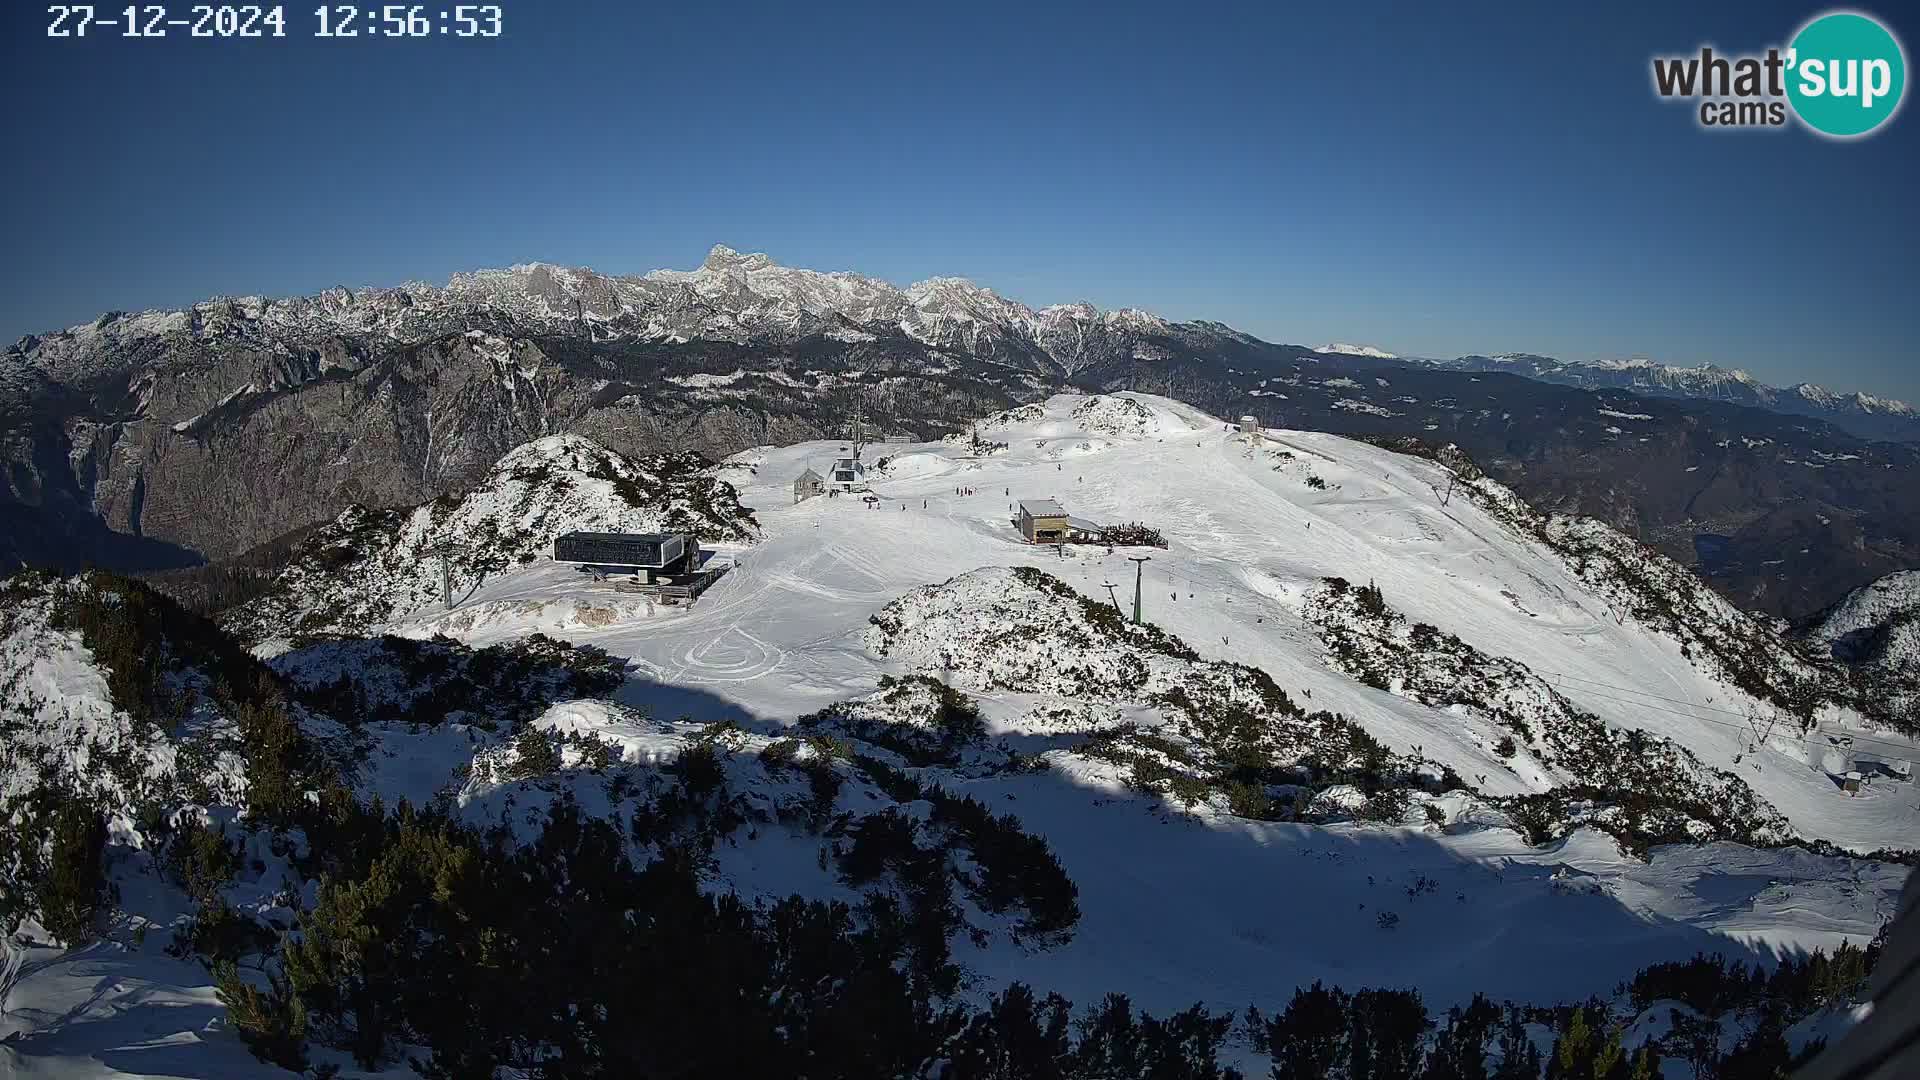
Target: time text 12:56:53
[263,21]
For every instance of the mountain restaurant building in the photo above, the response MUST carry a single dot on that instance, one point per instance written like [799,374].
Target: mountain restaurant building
[1043,521]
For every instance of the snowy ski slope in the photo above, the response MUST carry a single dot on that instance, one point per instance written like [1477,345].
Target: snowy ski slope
[1176,907]
[1248,537]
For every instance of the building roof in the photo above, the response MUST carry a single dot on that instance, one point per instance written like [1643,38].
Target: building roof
[1080,524]
[648,537]
[805,476]
[850,463]
[1042,508]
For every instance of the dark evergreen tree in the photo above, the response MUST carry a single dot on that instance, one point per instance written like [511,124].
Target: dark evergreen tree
[1110,1040]
[1519,1057]
[1015,1038]
[1311,1038]
[1460,1048]
[1386,1031]
[1574,1050]
[70,894]
[1697,1038]
[1762,1055]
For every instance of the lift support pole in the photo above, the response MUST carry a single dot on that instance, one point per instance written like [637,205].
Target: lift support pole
[1139,565]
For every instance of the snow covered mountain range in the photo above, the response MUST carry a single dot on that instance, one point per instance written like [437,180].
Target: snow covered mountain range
[1385,724]
[741,297]
[1862,414]
[730,297]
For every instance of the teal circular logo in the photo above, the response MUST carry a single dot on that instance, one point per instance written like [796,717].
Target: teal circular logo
[1846,74]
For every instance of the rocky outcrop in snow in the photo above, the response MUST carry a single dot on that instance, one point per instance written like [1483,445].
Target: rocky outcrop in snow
[1226,730]
[1639,583]
[1638,787]
[125,726]
[372,566]
[1876,632]
[1117,415]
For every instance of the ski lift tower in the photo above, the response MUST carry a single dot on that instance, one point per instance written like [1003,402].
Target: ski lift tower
[856,433]
[444,550]
[1139,564]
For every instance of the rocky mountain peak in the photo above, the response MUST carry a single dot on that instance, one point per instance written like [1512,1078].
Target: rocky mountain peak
[724,258]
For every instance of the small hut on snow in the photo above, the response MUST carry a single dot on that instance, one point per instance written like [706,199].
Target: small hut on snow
[807,485]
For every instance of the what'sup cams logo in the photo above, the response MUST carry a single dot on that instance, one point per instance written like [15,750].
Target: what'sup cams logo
[1843,76]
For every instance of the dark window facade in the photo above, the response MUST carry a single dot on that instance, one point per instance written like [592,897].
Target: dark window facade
[619,549]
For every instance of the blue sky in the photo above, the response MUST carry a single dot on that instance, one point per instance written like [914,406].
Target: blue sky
[1429,180]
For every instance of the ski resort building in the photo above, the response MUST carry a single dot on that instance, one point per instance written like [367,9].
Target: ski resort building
[807,485]
[667,567]
[652,555]
[1043,521]
[850,473]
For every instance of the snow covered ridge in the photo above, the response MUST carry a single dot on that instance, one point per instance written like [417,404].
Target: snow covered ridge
[370,567]
[1344,349]
[1640,788]
[1641,584]
[1865,415]
[126,727]
[106,685]
[1871,605]
[1115,415]
[1750,652]
[1020,415]
[844,798]
[409,682]
[1875,630]
[735,297]
[1222,731]
[918,722]
[729,297]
